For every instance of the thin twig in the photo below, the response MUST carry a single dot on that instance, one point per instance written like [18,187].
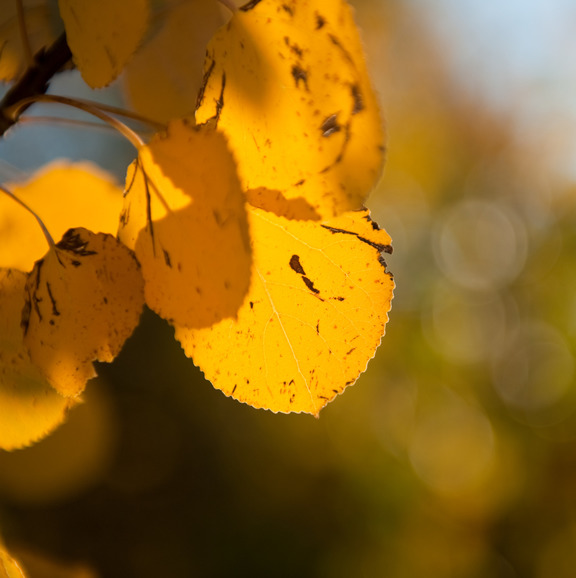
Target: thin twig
[38,219]
[91,108]
[47,62]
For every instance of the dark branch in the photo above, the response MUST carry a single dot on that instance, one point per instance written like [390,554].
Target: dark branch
[47,62]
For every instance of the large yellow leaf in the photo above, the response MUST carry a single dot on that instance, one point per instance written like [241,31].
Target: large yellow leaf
[286,81]
[185,217]
[83,301]
[63,195]
[103,35]
[163,79]
[313,317]
[30,408]
[9,568]
[40,32]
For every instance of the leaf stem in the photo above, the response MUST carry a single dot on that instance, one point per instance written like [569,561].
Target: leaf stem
[38,219]
[90,107]
[47,62]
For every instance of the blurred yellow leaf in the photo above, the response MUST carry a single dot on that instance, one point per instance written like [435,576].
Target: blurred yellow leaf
[163,79]
[63,195]
[103,35]
[37,14]
[83,301]
[9,568]
[313,317]
[185,218]
[287,83]
[31,409]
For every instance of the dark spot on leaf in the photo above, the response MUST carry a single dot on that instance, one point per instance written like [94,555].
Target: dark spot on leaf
[357,98]
[310,285]
[73,242]
[330,125]
[251,305]
[76,263]
[300,183]
[234,389]
[250,5]
[295,265]
[55,311]
[288,9]
[167,258]
[320,21]
[299,74]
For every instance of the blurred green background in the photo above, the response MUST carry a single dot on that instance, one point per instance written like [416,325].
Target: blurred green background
[454,455]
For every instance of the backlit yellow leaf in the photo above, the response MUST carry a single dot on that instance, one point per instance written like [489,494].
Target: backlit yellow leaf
[83,301]
[286,81]
[313,317]
[103,35]
[163,79]
[9,568]
[64,195]
[40,32]
[185,218]
[30,408]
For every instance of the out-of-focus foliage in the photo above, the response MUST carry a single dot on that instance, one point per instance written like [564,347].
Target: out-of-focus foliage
[103,36]
[456,453]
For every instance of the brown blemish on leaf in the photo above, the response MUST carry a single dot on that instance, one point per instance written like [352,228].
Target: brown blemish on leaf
[330,125]
[250,5]
[299,74]
[295,265]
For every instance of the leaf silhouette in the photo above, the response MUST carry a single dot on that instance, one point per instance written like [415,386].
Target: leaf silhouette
[313,317]
[165,75]
[103,35]
[83,300]
[184,216]
[287,83]
[31,409]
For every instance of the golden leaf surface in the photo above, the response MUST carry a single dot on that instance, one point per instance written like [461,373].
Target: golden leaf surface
[83,300]
[103,35]
[286,81]
[185,218]
[163,79]
[37,13]
[9,568]
[31,408]
[313,318]
[63,195]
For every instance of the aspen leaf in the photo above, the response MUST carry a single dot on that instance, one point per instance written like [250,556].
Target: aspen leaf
[185,218]
[64,195]
[83,300]
[9,568]
[163,79]
[31,409]
[286,81]
[37,14]
[103,35]
[313,317]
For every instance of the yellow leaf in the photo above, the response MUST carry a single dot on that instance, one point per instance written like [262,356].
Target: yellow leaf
[103,35]
[185,218]
[83,301]
[9,568]
[63,195]
[31,409]
[313,317]
[286,81]
[163,79]
[37,14]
